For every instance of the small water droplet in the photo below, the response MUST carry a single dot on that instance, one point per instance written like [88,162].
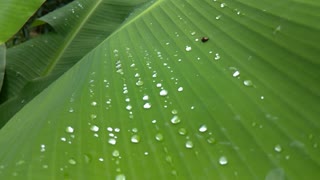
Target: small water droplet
[211,140]
[222,5]
[139,83]
[128,107]
[112,141]
[175,120]
[159,85]
[159,137]
[180,89]
[236,74]
[218,17]
[120,177]
[223,160]
[163,92]
[154,121]
[145,97]
[147,106]
[72,161]
[69,129]
[174,111]
[71,110]
[115,153]
[182,131]
[217,56]
[203,128]
[189,144]
[262,97]
[134,130]
[278,148]
[188,48]
[193,33]
[42,148]
[94,103]
[247,82]
[94,128]
[135,138]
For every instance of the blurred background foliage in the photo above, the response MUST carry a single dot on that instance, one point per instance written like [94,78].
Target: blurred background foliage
[30,30]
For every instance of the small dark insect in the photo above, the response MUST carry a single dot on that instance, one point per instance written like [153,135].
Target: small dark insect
[204,39]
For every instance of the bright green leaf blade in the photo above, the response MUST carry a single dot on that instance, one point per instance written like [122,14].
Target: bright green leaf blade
[13,14]
[2,63]
[80,26]
[154,102]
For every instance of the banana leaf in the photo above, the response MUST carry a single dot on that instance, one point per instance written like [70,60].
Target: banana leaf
[184,89]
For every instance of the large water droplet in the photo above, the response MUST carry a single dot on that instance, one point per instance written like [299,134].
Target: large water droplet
[128,107]
[189,144]
[145,97]
[175,120]
[135,138]
[180,89]
[69,129]
[223,160]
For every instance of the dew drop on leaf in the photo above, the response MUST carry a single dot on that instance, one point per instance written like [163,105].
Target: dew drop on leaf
[112,141]
[159,137]
[135,138]
[115,153]
[223,160]
[147,106]
[72,161]
[120,177]
[278,148]
[69,129]
[163,92]
[182,131]
[247,82]
[189,144]
[203,128]
[94,128]
[175,120]
[188,48]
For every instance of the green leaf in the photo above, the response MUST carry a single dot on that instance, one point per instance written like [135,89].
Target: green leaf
[13,14]
[2,63]
[153,101]
[80,26]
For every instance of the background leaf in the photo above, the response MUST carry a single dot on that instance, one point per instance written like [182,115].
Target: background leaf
[80,26]
[2,63]
[153,101]
[9,10]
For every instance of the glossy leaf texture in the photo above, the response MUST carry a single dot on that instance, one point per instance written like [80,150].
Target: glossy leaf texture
[79,27]
[18,12]
[183,90]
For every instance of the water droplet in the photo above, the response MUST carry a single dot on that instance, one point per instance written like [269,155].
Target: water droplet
[278,148]
[217,56]
[222,5]
[94,128]
[116,129]
[145,97]
[180,89]
[115,153]
[211,140]
[174,111]
[182,131]
[189,144]
[247,82]
[112,141]
[163,92]
[137,75]
[139,83]
[159,137]
[71,110]
[223,160]
[69,129]
[135,130]
[72,161]
[63,139]
[175,120]
[154,121]
[87,158]
[94,103]
[147,106]
[128,107]
[193,33]
[135,138]
[203,128]
[188,48]
[120,177]
[42,148]
[236,74]
[218,17]
[159,85]
[262,97]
